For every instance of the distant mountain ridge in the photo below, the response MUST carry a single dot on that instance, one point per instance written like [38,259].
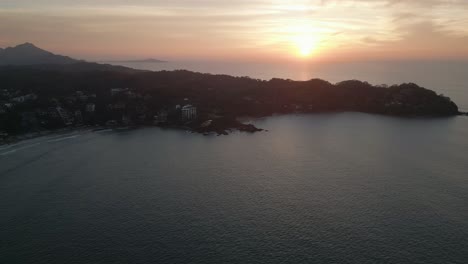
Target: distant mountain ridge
[29,54]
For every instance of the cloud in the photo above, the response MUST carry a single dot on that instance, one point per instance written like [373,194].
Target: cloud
[232,29]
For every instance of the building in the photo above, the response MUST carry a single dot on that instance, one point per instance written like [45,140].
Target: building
[120,106]
[90,108]
[24,98]
[189,112]
[116,91]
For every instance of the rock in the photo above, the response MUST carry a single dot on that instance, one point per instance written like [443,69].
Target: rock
[223,125]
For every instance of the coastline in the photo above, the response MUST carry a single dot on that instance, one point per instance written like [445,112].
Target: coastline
[192,101]
[11,140]
[241,124]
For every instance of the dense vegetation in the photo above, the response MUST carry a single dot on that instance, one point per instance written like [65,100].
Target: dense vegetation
[213,95]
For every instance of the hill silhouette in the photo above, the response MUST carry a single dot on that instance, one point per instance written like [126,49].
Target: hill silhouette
[29,54]
[30,91]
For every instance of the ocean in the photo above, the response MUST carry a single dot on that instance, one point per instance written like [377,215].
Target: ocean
[445,77]
[322,188]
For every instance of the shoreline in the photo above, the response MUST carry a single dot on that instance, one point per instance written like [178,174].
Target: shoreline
[219,129]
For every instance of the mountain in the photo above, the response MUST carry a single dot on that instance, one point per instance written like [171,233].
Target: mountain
[28,54]
[78,67]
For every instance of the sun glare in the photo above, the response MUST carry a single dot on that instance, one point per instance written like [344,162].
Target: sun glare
[305,45]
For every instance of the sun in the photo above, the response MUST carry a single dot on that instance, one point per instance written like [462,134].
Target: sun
[305,45]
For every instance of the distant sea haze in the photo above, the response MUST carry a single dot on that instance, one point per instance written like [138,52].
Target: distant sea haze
[445,77]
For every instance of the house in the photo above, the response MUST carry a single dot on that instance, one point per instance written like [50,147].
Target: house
[115,91]
[24,98]
[119,106]
[90,108]
[189,112]
[131,95]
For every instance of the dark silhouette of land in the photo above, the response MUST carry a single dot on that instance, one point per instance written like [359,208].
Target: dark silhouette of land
[28,54]
[38,97]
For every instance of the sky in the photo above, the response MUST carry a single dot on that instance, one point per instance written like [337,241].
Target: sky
[257,30]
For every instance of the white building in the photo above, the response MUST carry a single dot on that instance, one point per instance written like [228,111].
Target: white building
[189,112]
[115,91]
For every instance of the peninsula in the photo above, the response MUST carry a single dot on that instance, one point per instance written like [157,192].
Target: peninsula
[46,97]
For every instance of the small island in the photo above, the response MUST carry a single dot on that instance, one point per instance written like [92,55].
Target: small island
[150,60]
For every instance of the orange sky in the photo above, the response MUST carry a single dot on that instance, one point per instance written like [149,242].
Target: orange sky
[321,30]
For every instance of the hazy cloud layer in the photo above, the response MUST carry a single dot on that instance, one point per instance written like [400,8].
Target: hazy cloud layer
[338,29]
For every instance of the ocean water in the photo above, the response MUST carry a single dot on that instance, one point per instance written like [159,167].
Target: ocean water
[325,188]
[446,77]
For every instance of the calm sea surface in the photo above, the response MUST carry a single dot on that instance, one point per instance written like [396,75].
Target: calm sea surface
[326,188]
[447,77]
